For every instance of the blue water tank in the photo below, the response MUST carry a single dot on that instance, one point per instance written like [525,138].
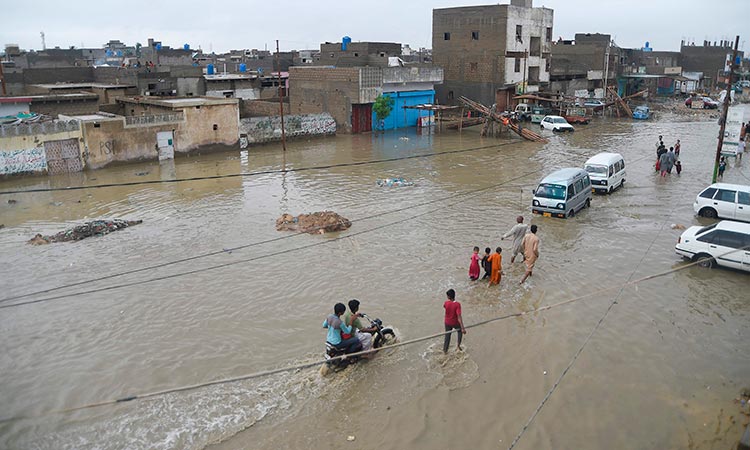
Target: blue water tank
[345,41]
[158,46]
[186,47]
[243,68]
[210,69]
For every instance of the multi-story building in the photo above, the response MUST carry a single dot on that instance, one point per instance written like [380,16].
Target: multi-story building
[584,64]
[490,53]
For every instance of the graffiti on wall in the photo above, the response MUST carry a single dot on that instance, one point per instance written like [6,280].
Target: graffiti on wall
[267,129]
[28,160]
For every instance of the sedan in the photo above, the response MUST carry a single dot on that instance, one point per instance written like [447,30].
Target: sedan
[724,243]
[556,123]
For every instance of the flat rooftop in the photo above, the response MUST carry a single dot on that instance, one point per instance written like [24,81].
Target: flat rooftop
[229,76]
[54,86]
[184,102]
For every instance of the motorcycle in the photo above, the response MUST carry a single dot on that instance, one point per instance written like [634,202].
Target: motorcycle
[381,336]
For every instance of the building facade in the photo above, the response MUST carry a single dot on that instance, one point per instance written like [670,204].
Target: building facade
[490,53]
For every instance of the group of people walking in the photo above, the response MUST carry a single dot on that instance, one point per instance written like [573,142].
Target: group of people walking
[525,243]
[666,160]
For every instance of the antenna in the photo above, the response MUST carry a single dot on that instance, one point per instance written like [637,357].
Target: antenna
[44,45]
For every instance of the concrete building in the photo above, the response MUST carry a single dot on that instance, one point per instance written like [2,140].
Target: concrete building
[357,54]
[244,86]
[492,52]
[348,93]
[579,65]
[710,59]
[51,147]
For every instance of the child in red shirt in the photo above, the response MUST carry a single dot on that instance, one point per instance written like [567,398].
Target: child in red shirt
[453,320]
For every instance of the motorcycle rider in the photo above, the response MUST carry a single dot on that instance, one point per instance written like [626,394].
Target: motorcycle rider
[336,327]
[352,319]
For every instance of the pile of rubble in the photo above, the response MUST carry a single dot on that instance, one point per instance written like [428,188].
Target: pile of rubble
[315,223]
[88,229]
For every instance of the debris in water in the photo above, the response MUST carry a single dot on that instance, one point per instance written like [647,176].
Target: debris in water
[394,182]
[12,201]
[88,229]
[350,438]
[316,223]
[140,174]
[677,226]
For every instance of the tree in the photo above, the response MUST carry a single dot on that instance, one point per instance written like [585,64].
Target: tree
[382,107]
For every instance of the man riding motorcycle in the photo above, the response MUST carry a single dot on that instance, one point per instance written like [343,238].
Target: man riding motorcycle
[351,318]
[337,327]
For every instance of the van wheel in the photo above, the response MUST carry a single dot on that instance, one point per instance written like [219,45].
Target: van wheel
[708,212]
[572,213]
[610,190]
[588,203]
[705,261]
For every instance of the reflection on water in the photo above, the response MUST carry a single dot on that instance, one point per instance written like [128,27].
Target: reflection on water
[663,342]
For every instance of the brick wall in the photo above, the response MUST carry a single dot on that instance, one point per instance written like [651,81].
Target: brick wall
[261,108]
[320,89]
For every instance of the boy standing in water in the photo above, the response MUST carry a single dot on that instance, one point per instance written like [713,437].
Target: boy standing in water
[496,259]
[486,264]
[453,320]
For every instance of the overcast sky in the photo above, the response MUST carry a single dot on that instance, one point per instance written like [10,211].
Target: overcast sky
[221,25]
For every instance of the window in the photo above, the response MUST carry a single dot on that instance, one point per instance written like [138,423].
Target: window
[743,198]
[535,46]
[554,191]
[216,127]
[473,67]
[708,193]
[450,95]
[571,191]
[579,186]
[611,170]
[517,65]
[446,36]
[586,182]
[728,239]
[519,33]
[549,34]
[356,54]
[726,196]
[474,35]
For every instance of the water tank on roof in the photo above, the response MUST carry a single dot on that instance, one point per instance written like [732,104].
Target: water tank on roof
[210,69]
[345,41]
[243,68]
[186,47]
[158,46]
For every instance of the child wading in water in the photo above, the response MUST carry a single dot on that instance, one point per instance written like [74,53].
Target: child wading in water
[474,266]
[486,264]
[496,259]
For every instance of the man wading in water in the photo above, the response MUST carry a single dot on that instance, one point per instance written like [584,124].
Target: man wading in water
[517,232]
[530,251]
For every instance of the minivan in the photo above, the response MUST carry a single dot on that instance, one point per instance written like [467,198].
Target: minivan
[728,201]
[607,171]
[562,193]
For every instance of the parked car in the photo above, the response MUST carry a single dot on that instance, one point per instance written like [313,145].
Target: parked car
[708,102]
[725,243]
[556,123]
[728,201]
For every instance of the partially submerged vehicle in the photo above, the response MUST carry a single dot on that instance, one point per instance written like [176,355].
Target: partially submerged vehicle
[642,113]
[562,193]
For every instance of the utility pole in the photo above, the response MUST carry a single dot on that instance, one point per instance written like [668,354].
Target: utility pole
[606,69]
[281,97]
[727,99]
[525,58]
[2,78]
[44,44]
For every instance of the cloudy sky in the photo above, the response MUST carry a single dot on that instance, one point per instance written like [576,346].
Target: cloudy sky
[222,25]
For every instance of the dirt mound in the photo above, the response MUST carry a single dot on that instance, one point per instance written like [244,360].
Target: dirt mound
[88,229]
[316,223]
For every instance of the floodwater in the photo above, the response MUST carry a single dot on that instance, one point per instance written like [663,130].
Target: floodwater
[661,370]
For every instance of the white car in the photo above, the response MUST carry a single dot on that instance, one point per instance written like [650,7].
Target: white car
[725,243]
[728,201]
[556,123]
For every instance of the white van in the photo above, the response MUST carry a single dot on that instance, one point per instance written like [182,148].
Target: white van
[562,193]
[607,171]
[728,201]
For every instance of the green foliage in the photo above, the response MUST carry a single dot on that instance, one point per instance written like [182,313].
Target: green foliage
[382,107]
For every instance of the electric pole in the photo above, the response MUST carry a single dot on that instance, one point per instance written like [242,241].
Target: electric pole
[44,44]
[281,97]
[727,99]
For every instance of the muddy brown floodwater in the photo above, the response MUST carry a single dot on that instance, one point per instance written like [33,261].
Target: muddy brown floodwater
[661,370]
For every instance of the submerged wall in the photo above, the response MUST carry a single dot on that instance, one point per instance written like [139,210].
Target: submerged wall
[258,130]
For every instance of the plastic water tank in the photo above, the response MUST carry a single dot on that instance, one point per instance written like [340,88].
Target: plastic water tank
[243,68]
[158,46]
[210,69]
[186,47]
[345,41]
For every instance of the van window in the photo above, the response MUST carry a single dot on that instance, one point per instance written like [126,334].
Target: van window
[579,186]
[622,163]
[554,191]
[595,170]
[725,195]
[571,191]
[708,193]
[743,198]
[587,182]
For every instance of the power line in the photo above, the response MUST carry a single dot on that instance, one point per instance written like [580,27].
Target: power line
[218,266]
[252,174]
[270,372]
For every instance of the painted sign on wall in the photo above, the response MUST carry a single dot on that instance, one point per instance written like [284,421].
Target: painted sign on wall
[23,161]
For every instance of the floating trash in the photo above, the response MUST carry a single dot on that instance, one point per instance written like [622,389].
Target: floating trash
[398,182]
